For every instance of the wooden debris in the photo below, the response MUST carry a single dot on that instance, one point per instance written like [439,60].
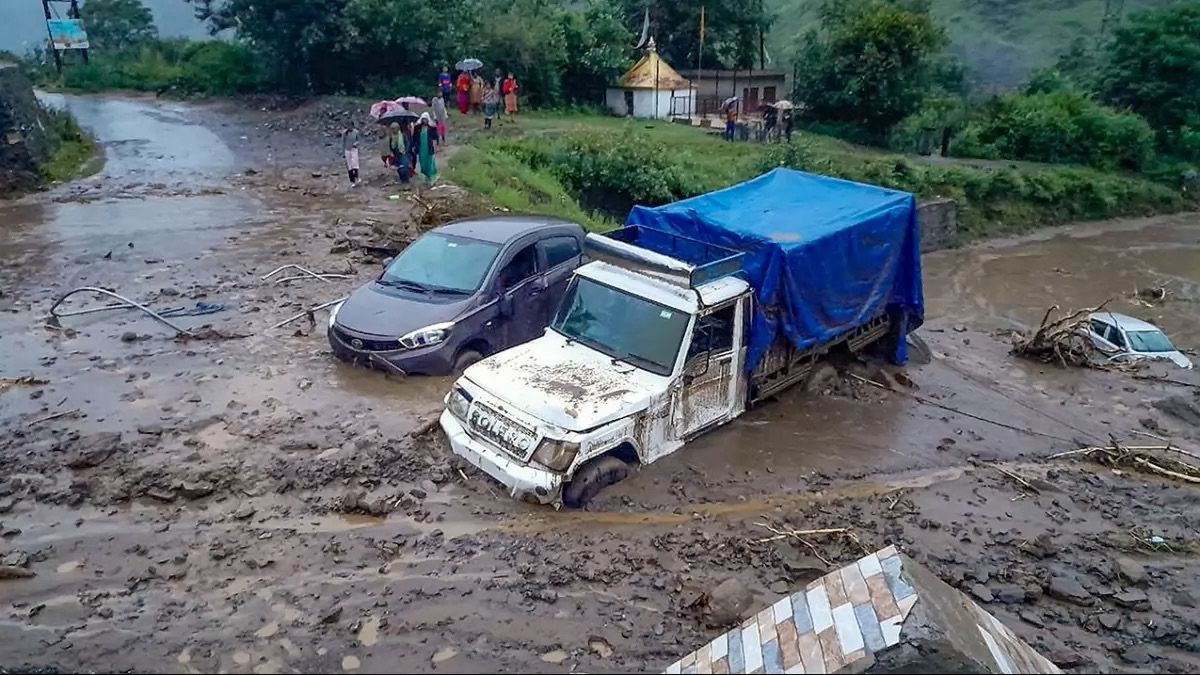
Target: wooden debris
[1141,457]
[1063,340]
[799,535]
[55,416]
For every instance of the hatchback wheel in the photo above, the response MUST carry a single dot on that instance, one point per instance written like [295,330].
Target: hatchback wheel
[466,359]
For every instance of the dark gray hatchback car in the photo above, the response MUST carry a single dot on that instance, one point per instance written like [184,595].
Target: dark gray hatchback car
[458,293]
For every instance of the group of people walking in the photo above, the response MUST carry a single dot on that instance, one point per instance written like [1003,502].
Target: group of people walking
[412,144]
[473,94]
[411,148]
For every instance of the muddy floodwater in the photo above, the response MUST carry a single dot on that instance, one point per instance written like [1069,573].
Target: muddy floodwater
[246,503]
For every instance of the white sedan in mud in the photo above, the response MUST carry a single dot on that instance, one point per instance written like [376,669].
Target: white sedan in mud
[1126,339]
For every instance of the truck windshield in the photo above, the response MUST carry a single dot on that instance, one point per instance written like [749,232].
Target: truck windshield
[626,327]
[1149,341]
[441,263]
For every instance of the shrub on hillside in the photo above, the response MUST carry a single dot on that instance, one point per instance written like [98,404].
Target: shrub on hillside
[614,172]
[1057,126]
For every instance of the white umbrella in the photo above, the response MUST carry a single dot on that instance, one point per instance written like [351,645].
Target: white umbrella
[469,64]
[783,105]
[730,101]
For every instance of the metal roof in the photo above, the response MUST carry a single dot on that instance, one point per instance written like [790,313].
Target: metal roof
[651,72]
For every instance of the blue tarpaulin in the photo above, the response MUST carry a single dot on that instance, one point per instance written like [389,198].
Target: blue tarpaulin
[823,255]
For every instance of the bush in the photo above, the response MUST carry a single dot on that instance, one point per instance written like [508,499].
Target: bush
[1057,126]
[614,172]
[211,68]
[72,150]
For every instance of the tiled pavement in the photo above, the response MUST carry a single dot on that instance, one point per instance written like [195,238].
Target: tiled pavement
[838,620]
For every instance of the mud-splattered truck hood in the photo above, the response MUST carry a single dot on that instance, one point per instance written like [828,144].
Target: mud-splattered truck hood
[565,383]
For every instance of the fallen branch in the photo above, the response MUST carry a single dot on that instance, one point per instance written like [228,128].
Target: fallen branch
[1138,457]
[55,416]
[1064,339]
[1025,483]
[1167,380]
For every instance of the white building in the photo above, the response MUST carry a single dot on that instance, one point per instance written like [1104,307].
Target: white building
[652,89]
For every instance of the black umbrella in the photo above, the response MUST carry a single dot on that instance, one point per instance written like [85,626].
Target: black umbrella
[398,115]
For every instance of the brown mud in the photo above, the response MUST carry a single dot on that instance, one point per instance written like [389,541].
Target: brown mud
[254,505]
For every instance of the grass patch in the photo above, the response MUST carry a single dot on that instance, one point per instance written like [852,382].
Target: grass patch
[508,182]
[590,169]
[73,151]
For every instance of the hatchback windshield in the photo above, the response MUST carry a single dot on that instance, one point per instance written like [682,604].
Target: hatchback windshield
[624,326]
[1149,341]
[441,263]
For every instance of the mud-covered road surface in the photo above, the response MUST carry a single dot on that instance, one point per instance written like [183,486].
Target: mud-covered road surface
[247,503]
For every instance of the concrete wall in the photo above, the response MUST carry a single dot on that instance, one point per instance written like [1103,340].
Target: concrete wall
[23,141]
[938,220]
[643,102]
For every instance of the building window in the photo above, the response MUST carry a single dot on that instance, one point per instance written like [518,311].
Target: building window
[769,95]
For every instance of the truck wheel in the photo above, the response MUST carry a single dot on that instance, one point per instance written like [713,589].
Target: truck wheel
[592,478]
[466,359]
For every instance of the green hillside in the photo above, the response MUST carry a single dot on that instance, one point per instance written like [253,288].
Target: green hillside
[1001,41]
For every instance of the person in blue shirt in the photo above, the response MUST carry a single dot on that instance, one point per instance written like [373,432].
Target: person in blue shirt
[445,82]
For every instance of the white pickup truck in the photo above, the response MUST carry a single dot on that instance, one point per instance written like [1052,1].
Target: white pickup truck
[646,351]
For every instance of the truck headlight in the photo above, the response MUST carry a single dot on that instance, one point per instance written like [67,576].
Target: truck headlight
[458,402]
[555,454]
[429,335]
[333,312]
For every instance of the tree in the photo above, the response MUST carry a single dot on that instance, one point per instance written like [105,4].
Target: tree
[1153,66]
[731,30]
[869,64]
[598,42]
[298,37]
[117,24]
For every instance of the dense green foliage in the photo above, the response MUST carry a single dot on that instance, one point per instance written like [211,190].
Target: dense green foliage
[569,166]
[559,54]
[174,65]
[1153,67]
[117,24]
[869,64]
[1063,126]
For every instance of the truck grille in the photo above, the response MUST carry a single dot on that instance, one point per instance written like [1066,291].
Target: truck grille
[505,433]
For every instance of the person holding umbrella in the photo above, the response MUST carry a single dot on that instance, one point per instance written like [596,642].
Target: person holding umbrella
[398,147]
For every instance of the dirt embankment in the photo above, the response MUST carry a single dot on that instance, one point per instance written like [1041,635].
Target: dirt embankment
[23,142]
[252,505]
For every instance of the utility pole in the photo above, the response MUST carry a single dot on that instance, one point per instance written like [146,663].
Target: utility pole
[50,38]
[699,66]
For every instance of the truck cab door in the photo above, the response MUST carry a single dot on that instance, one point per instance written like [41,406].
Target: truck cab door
[711,371]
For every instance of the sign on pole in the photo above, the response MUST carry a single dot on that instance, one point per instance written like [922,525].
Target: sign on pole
[67,34]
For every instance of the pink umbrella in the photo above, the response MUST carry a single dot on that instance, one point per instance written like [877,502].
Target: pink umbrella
[411,100]
[382,108]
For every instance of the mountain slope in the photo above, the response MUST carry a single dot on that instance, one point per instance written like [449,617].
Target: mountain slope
[1001,41]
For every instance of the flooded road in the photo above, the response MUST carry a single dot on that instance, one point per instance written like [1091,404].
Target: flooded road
[251,504]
